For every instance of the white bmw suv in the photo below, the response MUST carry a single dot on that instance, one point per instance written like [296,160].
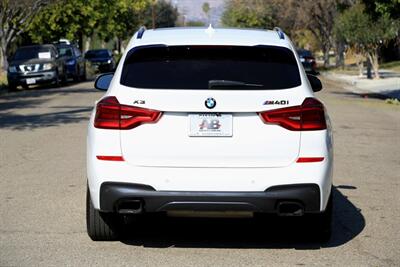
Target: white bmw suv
[208,121]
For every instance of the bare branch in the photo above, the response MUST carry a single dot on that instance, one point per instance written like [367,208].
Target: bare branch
[15,17]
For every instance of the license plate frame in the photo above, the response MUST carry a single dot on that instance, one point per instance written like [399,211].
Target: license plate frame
[210,125]
[30,81]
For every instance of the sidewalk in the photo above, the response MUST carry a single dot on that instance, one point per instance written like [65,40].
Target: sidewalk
[388,86]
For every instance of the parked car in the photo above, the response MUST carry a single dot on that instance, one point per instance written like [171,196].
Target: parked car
[36,64]
[101,60]
[193,125]
[308,61]
[74,62]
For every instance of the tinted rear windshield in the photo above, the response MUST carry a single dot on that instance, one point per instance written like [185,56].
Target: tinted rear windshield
[97,54]
[193,67]
[65,51]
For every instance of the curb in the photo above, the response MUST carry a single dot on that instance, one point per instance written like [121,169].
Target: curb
[355,85]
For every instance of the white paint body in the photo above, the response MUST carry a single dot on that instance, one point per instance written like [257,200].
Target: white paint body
[164,156]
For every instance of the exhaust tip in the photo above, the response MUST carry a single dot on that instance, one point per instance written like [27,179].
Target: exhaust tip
[130,207]
[289,208]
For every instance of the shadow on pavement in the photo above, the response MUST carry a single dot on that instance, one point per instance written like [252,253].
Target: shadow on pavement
[41,92]
[13,115]
[22,122]
[387,74]
[268,232]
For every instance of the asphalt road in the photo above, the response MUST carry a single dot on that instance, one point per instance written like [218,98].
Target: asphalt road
[42,195]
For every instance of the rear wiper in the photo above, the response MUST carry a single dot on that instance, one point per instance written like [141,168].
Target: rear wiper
[226,84]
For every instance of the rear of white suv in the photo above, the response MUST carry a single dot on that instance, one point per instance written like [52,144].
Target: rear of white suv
[208,120]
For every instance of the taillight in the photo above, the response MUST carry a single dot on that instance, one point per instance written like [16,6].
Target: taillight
[110,158]
[309,159]
[110,114]
[309,116]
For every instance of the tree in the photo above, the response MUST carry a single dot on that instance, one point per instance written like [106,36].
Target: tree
[71,19]
[121,19]
[390,8]
[165,15]
[249,13]
[206,9]
[378,8]
[319,18]
[365,34]
[316,17]
[195,23]
[74,19]
[15,17]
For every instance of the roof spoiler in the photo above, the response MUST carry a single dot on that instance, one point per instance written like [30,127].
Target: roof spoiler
[141,32]
[279,32]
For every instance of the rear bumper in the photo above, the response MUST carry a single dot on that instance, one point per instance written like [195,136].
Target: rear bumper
[113,194]
[101,66]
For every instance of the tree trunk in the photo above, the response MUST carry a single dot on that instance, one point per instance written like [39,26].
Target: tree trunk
[326,49]
[87,43]
[373,57]
[1,59]
[118,45]
[360,64]
[80,40]
[3,56]
[340,54]
[123,44]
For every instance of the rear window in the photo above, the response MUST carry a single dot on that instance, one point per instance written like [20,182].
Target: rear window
[193,67]
[97,54]
[304,53]
[65,51]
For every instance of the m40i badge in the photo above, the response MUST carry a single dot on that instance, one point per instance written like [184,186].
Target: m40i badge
[276,102]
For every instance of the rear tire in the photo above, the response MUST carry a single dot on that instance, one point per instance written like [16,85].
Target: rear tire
[83,77]
[57,80]
[77,75]
[100,226]
[321,224]
[12,87]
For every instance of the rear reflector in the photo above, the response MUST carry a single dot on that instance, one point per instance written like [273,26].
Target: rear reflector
[309,159]
[309,116]
[110,114]
[110,158]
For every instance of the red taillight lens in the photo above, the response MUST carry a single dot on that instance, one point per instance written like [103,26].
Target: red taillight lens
[110,158]
[110,114]
[309,159]
[310,116]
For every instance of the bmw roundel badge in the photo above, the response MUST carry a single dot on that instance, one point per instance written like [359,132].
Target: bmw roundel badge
[210,103]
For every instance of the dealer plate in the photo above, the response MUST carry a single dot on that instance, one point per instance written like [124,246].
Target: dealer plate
[210,124]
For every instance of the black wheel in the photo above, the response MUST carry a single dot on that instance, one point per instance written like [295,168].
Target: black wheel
[100,226]
[83,76]
[321,224]
[57,80]
[12,87]
[64,78]
[77,75]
